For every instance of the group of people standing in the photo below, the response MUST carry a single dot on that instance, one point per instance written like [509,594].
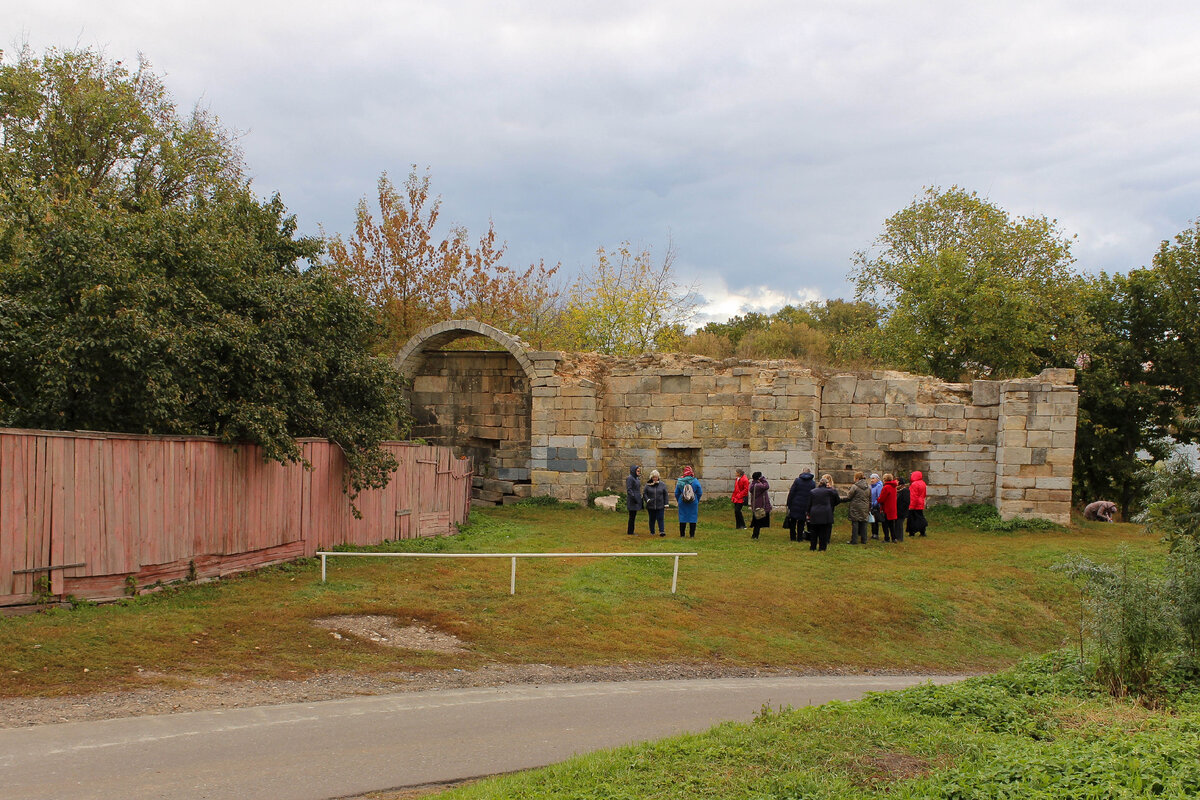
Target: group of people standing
[653,497]
[886,503]
[890,504]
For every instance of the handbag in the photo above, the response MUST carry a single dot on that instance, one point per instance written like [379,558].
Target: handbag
[760,513]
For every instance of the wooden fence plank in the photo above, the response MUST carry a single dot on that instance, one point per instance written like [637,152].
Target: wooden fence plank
[125,504]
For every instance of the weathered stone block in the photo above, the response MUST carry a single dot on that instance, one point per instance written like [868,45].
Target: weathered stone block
[870,391]
[677,429]
[901,391]
[839,389]
[985,393]
[980,431]
[949,411]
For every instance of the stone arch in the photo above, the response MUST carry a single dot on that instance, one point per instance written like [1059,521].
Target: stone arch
[479,402]
[408,361]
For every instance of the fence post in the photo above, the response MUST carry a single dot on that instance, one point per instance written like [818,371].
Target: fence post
[323,567]
[675,575]
[512,584]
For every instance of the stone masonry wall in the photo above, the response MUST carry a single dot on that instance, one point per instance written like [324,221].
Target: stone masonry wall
[564,424]
[479,403]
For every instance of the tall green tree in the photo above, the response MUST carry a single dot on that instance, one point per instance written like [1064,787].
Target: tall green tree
[965,289]
[144,288]
[1137,376]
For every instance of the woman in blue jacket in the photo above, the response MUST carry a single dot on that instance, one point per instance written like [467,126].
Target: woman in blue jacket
[689,510]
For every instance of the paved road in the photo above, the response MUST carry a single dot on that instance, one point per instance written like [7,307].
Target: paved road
[315,751]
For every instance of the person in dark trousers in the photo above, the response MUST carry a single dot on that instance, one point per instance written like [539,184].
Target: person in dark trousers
[689,510]
[916,505]
[798,499]
[820,513]
[741,490]
[887,505]
[654,498]
[859,498]
[876,515]
[760,504]
[633,495]
[903,498]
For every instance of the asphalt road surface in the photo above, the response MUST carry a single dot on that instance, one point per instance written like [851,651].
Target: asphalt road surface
[337,748]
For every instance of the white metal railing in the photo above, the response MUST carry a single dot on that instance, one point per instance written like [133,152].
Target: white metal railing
[512,586]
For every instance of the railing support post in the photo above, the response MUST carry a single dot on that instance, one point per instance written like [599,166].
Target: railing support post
[323,567]
[675,575]
[512,583]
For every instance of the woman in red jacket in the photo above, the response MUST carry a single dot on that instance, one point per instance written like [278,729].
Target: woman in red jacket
[741,488]
[916,504]
[887,505]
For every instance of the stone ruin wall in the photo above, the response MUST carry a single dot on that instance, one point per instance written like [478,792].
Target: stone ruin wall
[478,403]
[562,424]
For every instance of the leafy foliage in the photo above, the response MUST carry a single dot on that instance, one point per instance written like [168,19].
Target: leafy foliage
[143,288]
[834,331]
[966,289]
[1172,507]
[627,304]
[413,276]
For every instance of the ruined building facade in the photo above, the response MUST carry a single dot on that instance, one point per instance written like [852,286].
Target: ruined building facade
[564,424]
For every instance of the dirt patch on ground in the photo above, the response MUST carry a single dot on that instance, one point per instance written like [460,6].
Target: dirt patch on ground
[887,767]
[389,633]
[204,694]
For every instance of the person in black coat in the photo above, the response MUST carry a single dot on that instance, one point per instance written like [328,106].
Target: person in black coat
[654,498]
[820,512]
[798,500]
[633,495]
[902,498]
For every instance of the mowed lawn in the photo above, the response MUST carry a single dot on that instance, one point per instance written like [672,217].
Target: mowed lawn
[959,600]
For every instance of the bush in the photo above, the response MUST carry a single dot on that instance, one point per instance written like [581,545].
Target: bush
[1132,622]
[1172,501]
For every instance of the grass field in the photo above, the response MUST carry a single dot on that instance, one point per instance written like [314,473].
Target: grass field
[960,600]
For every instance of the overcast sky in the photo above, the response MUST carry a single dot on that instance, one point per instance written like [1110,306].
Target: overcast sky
[769,140]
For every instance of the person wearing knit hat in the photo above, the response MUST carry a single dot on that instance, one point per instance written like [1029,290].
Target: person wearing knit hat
[687,495]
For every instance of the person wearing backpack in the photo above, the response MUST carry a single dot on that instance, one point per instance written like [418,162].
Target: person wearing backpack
[687,495]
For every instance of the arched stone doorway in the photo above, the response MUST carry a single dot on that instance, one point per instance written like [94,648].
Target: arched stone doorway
[477,401]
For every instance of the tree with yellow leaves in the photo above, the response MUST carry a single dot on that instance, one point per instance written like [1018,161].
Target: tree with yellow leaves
[627,304]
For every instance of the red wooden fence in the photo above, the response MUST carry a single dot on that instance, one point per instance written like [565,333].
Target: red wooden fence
[88,510]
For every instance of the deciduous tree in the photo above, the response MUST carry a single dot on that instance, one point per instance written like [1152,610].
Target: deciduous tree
[143,287]
[966,289]
[627,303]
[413,274]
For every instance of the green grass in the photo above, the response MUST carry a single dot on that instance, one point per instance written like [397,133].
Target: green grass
[959,600]
[1031,733]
